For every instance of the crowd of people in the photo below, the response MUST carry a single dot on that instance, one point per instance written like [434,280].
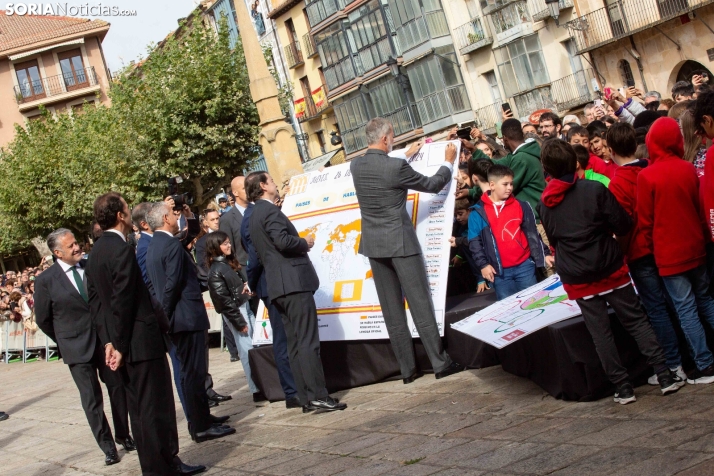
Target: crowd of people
[618,197]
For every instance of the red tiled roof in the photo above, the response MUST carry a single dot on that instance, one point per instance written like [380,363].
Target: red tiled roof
[17,31]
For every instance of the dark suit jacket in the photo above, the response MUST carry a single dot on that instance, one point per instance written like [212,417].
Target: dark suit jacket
[283,253]
[200,248]
[381,183]
[141,249]
[254,270]
[64,316]
[120,302]
[173,275]
[230,223]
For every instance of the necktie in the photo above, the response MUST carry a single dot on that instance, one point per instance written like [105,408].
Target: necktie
[80,284]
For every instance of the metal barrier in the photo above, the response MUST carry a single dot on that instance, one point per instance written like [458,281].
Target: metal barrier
[19,345]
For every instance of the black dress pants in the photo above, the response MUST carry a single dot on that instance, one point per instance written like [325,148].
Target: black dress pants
[191,353]
[300,321]
[90,392]
[153,414]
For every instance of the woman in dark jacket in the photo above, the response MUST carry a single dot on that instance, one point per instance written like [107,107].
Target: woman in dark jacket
[230,295]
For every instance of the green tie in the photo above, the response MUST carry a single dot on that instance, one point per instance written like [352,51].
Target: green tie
[80,284]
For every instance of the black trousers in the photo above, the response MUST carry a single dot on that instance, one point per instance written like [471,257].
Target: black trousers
[90,392]
[191,353]
[628,310]
[153,414]
[300,322]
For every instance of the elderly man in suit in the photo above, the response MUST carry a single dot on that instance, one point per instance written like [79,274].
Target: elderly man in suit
[133,338]
[390,242]
[292,281]
[62,312]
[172,272]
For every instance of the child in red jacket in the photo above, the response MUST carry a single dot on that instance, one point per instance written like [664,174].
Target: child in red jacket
[670,221]
[622,143]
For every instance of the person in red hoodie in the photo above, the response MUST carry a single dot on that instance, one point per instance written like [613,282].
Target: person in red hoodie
[670,221]
[580,218]
[622,142]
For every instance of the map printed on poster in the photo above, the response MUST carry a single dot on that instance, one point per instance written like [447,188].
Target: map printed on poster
[521,314]
[324,204]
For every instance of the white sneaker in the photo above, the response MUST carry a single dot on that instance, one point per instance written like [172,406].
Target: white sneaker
[679,371]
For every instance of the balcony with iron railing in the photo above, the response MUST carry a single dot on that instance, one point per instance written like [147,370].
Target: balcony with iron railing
[310,48]
[625,18]
[55,88]
[294,55]
[540,11]
[488,116]
[319,10]
[473,35]
[574,90]
[312,109]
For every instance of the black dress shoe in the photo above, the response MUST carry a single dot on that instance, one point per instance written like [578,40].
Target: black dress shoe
[234,359]
[214,432]
[308,408]
[219,419]
[111,458]
[184,469]
[4,416]
[327,404]
[452,369]
[219,398]
[412,377]
[259,397]
[127,443]
[212,403]
[293,403]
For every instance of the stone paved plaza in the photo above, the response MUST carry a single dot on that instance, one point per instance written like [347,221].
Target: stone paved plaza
[480,422]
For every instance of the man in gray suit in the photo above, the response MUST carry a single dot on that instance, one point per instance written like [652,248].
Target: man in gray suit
[391,244]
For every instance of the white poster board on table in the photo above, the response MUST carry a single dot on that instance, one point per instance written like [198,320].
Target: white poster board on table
[523,313]
[324,204]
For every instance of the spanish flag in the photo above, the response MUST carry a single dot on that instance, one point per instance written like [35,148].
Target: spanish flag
[318,97]
[300,108]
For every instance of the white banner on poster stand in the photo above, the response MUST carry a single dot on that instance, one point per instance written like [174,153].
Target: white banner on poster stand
[324,204]
[523,313]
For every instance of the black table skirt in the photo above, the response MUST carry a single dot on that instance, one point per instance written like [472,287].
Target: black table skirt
[560,358]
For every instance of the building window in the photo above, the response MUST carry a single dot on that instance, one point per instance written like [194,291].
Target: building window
[626,73]
[352,115]
[368,37]
[72,67]
[437,85]
[414,25]
[335,55]
[493,86]
[321,141]
[521,65]
[511,16]
[390,103]
[29,80]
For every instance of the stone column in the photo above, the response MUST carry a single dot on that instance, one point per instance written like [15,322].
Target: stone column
[277,137]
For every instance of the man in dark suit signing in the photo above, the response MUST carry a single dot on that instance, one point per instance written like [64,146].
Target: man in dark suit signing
[292,281]
[173,276]
[62,312]
[133,340]
[390,242]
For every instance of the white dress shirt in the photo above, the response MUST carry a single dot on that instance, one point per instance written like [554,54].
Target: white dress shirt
[67,268]
[114,230]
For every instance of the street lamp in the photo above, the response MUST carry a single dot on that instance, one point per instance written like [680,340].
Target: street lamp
[554,7]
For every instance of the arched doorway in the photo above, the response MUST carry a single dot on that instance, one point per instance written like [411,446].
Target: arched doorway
[689,68]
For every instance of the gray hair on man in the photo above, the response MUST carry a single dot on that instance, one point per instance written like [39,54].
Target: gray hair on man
[139,212]
[653,94]
[376,129]
[571,118]
[53,239]
[155,215]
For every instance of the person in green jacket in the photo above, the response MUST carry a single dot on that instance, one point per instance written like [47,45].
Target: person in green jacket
[583,159]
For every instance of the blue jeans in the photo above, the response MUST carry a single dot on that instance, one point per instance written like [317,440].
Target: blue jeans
[689,293]
[654,299]
[515,279]
[244,342]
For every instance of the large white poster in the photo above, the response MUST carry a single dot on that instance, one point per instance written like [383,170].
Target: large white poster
[324,204]
[517,316]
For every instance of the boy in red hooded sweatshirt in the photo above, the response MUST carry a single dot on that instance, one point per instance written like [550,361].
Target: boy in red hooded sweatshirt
[580,217]
[622,143]
[670,220]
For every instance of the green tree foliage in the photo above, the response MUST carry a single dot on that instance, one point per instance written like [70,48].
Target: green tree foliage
[186,111]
